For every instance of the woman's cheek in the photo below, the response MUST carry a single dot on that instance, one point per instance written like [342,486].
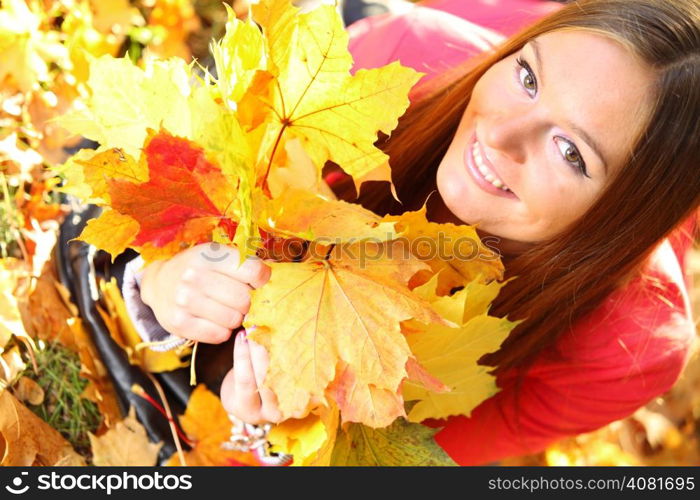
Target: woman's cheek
[493,90]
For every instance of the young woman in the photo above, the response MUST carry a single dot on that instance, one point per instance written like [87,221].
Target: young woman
[574,142]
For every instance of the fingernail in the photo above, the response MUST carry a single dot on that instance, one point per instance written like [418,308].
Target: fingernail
[249,330]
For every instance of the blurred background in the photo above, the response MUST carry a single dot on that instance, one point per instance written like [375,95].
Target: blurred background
[54,386]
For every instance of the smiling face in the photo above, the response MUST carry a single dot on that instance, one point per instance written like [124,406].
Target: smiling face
[544,132]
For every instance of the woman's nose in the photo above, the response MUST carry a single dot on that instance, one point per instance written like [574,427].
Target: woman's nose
[509,133]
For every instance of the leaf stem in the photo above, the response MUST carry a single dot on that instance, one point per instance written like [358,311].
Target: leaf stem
[272,155]
[193,375]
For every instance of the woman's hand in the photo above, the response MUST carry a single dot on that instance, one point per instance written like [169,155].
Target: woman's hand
[201,293]
[242,391]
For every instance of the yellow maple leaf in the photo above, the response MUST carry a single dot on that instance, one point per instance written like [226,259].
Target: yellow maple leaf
[125,101]
[72,170]
[309,440]
[454,251]
[313,96]
[112,164]
[111,231]
[307,215]
[343,312]
[450,354]
[238,56]
[295,170]
[227,143]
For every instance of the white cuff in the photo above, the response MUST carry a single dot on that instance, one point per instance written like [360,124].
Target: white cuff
[142,315]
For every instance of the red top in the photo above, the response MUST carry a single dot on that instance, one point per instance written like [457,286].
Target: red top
[629,350]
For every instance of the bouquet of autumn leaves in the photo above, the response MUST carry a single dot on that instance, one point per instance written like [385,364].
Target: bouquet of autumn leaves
[366,348]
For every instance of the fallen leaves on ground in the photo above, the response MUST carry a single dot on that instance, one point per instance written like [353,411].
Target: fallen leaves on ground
[28,440]
[125,444]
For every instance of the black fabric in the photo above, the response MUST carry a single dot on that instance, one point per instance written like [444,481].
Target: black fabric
[354,10]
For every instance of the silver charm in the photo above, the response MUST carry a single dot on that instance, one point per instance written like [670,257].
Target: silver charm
[253,438]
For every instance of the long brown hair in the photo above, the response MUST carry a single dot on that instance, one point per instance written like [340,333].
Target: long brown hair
[560,280]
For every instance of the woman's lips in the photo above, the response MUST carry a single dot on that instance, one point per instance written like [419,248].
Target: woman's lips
[476,174]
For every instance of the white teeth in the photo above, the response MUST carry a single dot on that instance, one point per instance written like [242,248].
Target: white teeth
[485,171]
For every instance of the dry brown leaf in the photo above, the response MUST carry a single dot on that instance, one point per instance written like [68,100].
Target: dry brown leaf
[124,445]
[11,271]
[13,364]
[44,311]
[28,391]
[27,440]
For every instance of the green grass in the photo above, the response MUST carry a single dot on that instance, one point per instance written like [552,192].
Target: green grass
[10,221]
[63,408]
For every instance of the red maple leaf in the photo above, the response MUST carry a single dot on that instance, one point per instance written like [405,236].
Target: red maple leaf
[184,199]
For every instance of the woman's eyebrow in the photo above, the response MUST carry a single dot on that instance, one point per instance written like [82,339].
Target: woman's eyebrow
[592,143]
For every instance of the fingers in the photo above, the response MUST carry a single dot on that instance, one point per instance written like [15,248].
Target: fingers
[259,359]
[223,289]
[183,324]
[245,403]
[201,306]
[242,391]
[227,390]
[253,271]
[224,259]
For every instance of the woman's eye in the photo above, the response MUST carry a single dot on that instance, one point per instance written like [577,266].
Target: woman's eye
[572,155]
[526,76]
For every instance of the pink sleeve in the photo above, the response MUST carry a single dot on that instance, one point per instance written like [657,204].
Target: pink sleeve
[628,351]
